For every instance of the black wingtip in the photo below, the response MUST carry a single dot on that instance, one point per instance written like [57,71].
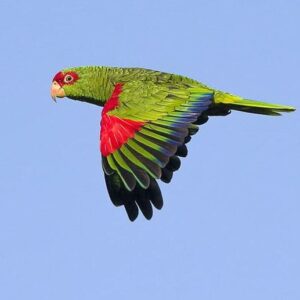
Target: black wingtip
[155,195]
[131,210]
[182,151]
[138,199]
[166,175]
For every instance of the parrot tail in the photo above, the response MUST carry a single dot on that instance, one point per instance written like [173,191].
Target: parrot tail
[226,102]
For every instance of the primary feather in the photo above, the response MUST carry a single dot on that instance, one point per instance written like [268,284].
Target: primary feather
[147,119]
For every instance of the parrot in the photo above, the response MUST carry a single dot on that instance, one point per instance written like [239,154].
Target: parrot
[147,119]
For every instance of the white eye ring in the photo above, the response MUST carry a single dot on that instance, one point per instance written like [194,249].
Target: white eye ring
[68,78]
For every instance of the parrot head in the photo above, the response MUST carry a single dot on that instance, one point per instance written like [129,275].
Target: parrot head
[80,83]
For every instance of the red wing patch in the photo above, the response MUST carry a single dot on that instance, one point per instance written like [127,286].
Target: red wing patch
[115,131]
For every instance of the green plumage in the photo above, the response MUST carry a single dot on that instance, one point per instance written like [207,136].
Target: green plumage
[169,108]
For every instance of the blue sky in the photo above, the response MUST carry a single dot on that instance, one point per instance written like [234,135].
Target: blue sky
[230,225]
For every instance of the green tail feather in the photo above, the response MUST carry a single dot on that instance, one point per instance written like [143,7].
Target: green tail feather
[251,106]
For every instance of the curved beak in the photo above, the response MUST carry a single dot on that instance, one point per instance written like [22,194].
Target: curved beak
[57,91]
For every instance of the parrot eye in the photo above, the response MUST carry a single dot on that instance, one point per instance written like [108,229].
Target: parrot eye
[68,78]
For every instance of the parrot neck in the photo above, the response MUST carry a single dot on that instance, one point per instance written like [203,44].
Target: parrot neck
[103,85]
[96,87]
[105,76]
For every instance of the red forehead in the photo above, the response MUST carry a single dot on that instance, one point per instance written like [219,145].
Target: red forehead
[60,76]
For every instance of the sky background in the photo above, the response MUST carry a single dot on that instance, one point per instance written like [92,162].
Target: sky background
[229,228]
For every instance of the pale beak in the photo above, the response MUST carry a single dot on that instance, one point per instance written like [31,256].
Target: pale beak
[57,91]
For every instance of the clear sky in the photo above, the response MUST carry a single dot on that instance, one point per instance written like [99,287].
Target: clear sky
[230,225]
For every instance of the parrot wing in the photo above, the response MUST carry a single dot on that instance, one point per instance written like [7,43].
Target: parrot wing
[144,128]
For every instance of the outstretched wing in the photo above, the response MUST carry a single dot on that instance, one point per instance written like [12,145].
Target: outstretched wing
[144,128]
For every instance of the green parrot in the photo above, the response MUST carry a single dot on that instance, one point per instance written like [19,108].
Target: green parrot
[148,117]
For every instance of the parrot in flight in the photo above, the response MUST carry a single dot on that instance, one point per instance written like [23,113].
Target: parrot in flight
[147,119]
